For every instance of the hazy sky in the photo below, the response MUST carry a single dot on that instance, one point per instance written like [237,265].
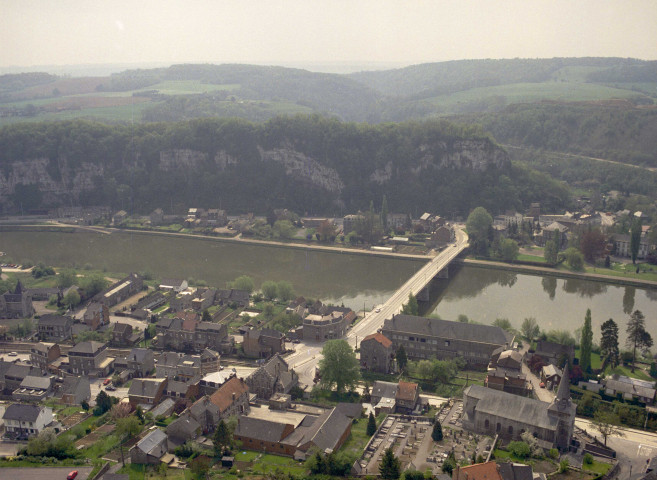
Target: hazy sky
[59,32]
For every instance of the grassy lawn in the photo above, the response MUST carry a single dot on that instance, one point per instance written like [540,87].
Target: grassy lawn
[531,258]
[265,463]
[143,472]
[647,271]
[627,371]
[358,438]
[101,447]
[597,467]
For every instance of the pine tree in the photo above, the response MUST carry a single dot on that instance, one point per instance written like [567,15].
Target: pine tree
[609,342]
[371,425]
[437,432]
[222,438]
[390,468]
[637,336]
[586,344]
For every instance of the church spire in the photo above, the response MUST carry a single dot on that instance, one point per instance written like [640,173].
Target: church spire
[563,393]
[19,288]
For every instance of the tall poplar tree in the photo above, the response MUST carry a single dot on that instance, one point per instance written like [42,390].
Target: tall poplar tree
[635,239]
[586,344]
[609,342]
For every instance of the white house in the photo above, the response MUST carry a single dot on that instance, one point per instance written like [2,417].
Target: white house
[22,420]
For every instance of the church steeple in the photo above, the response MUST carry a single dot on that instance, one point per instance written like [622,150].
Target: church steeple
[563,393]
[19,288]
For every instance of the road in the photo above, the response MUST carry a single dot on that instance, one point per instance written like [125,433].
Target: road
[45,473]
[307,354]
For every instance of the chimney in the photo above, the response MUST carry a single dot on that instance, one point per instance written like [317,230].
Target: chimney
[233,396]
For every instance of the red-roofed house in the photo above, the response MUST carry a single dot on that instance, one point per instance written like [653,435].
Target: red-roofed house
[407,397]
[232,398]
[376,353]
[478,471]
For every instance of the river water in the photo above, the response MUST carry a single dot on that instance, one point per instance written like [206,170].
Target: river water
[355,280]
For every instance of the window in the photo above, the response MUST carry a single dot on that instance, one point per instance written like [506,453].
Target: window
[510,430]
[498,428]
[486,424]
[447,343]
[423,340]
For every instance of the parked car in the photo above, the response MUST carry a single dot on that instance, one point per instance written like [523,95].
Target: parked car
[110,387]
[12,354]
[107,381]
[542,385]
[72,475]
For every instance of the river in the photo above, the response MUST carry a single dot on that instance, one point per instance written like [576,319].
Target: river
[355,280]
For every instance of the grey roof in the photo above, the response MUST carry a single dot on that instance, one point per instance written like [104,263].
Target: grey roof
[629,388]
[327,430]
[351,410]
[515,471]
[384,389]
[260,429]
[163,407]
[18,370]
[177,387]
[87,347]
[37,383]
[151,441]
[22,412]
[51,319]
[122,327]
[203,407]
[512,407]
[183,427]
[43,346]
[435,327]
[70,384]
[143,387]
[552,370]
[139,354]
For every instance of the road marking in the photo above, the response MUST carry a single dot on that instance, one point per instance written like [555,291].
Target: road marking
[644,450]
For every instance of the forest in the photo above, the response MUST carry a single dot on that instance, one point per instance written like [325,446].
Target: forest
[309,164]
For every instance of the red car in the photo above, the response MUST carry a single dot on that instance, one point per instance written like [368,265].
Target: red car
[107,381]
[72,475]
[542,385]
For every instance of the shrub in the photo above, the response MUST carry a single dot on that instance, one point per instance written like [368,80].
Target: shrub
[563,465]
[519,449]
[553,453]
[588,459]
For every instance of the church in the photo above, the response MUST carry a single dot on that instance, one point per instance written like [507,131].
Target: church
[493,412]
[17,304]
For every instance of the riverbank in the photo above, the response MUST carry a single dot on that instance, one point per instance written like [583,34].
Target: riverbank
[238,239]
[547,271]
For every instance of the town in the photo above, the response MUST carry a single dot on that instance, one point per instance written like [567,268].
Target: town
[147,376]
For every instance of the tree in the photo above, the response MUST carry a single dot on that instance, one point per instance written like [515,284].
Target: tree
[384,214]
[200,466]
[269,289]
[243,282]
[413,475]
[103,402]
[609,342]
[284,229]
[390,467]
[326,230]
[593,245]
[437,432]
[128,426]
[268,311]
[637,336]
[72,298]
[574,258]
[402,359]
[65,278]
[94,284]
[206,317]
[635,239]
[449,464]
[519,449]
[586,344]
[411,307]
[285,291]
[509,250]
[607,423]
[529,328]
[551,251]
[371,425]
[503,323]
[478,226]
[339,366]
[222,438]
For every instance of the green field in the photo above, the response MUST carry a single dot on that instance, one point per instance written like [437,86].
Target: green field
[530,92]
[186,87]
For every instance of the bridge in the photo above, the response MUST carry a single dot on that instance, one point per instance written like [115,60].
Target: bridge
[307,355]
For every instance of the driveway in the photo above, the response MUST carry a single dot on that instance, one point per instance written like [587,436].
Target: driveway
[9,449]
[45,473]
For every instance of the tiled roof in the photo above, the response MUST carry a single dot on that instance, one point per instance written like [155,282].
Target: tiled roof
[379,337]
[223,398]
[407,391]
[22,412]
[479,471]
[470,332]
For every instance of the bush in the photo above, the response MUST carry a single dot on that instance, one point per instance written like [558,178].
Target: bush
[563,465]
[553,453]
[519,449]
[588,459]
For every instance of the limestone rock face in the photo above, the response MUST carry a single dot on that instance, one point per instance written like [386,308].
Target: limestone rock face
[181,158]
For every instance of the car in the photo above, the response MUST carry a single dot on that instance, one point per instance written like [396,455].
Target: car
[12,354]
[296,340]
[72,475]
[378,310]
[110,387]
[542,385]
[107,381]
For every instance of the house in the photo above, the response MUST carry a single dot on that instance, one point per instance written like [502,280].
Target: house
[146,391]
[140,362]
[441,237]
[96,315]
[548,233]
[121,290]
[206,413]
[327,323]
[157,217]
[43,353]
[264,435]
[506,359]
[391,397]
[408,396]
[74,390]
[349,223]
[491,412]
[376,353]
[16,304]
[119,217]
[173,285]
[164,408]
[178,389]
[327,433]
[15,373]
[478,471]
[203,299]
[150,449]
[263,343]
[622,246]
[551,375]
[33,389]
[211,382]
[239,298]
[26,420]
[183,429]
[553,353]
[122,335]
[232,398]
[630,389]
[90,358]
[54,327]
[273,377]
[150,302]
[184,366]
[191,335]
[424,338]
[508,380]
